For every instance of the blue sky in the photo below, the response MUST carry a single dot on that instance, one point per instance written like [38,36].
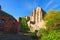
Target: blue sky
[19,8]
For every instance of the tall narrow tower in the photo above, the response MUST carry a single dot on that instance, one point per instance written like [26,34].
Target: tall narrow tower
[37,15]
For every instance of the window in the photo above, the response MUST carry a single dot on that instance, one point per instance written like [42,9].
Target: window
[1,23]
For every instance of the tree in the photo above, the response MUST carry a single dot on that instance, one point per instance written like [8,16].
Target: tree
[53,20]
[51,14]
[24,25]
[52,31]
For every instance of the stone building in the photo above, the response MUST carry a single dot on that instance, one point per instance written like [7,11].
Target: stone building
[27,18]
[8,23]
[36,19]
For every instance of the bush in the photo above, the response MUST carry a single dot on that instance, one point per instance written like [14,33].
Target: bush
[42,32]
[53,35]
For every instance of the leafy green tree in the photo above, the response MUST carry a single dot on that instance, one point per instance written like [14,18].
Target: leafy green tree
[50,25]
[51,14]
[24,25]
[53,19]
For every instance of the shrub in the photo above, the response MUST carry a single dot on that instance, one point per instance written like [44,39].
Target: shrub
[53,35]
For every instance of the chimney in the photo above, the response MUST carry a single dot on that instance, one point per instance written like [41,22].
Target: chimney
[19,19]
[19,24]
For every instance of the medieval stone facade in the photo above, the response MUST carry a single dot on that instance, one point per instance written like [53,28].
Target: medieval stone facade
[36,19]
[8,23]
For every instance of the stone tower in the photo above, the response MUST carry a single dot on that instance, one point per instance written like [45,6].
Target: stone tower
[37,15]
[36,18]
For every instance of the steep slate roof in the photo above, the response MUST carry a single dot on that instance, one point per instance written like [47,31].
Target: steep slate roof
[2,13]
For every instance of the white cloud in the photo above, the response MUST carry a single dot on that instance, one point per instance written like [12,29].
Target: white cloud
[50,2]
